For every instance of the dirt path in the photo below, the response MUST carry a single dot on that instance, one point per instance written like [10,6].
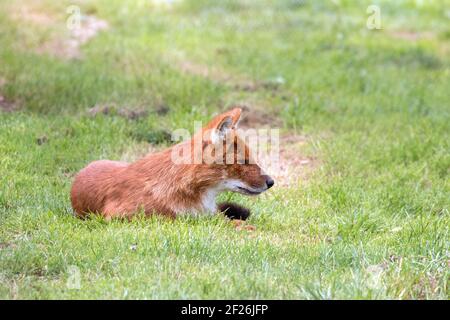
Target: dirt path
[66,44]
[70,47]
[217,75]
[7,105]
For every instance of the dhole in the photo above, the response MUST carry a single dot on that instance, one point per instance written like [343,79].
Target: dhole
[155,184]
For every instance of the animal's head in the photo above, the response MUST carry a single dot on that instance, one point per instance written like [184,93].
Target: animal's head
[226,154]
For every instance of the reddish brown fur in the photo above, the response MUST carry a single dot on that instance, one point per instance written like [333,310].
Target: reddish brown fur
[155,184]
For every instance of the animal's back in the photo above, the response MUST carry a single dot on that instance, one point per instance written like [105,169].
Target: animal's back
[88,190]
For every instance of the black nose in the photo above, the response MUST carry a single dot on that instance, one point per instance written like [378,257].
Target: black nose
[269,182]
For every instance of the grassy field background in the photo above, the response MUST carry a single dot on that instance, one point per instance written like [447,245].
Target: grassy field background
[365,125]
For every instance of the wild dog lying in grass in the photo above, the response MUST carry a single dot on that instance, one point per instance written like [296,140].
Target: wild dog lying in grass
[217,160]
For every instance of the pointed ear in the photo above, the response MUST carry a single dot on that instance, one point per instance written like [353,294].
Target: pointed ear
[235,115]
[222,123]
[219,133]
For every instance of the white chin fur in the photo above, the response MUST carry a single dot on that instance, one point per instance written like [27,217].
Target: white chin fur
[209,198]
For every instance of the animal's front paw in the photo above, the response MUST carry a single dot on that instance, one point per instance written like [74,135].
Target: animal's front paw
[242,225]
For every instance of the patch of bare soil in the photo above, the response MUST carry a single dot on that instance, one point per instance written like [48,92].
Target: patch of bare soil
[63,45]
[293,166]
[30,13]
[70,48]
[411,36]
[217,75]
[99,109]
[7,105]
[125,112]
[255,117]
[4,245]
[237,82]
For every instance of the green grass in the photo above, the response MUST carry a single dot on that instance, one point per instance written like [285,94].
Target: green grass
[372,221]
